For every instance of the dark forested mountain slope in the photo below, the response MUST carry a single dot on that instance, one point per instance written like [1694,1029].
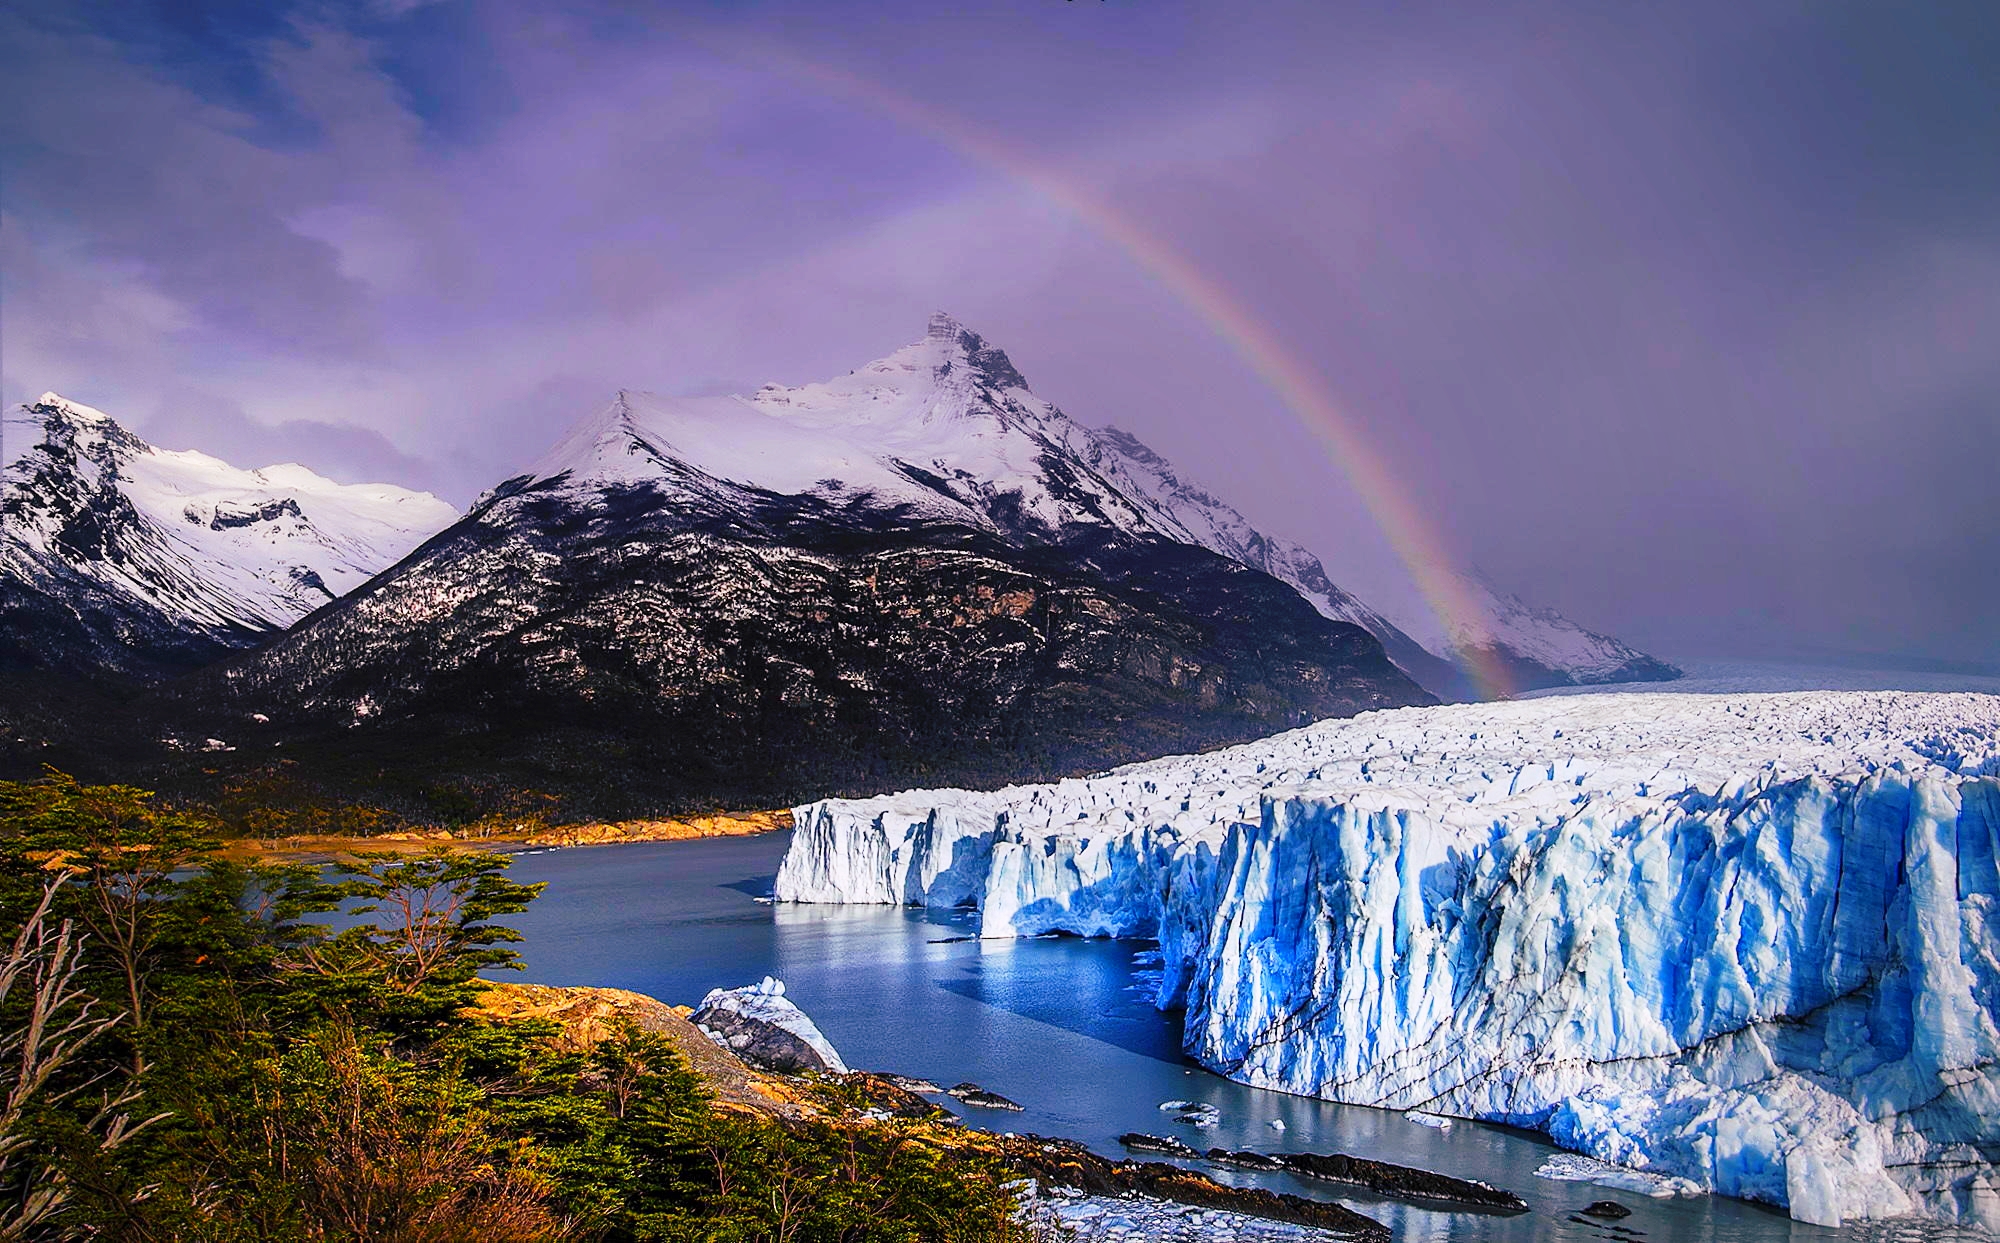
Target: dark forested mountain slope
[917,573]
[632,652]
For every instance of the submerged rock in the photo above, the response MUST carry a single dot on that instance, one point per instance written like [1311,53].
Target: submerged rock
[1610,1210]
[973,1094]
[1164,1145]
[759,1025]
[1065,1163]
[1246,1160]
[1402,1181]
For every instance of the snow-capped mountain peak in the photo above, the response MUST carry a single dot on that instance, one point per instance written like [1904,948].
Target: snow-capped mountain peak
[947,427]
[76,411]
[951,376]
[86,504]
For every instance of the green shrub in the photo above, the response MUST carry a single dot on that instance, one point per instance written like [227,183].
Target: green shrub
[241,1071]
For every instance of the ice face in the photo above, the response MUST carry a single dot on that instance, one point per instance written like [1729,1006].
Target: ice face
[1741,940]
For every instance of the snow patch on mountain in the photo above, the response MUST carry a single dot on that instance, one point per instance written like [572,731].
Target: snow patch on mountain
[1743,940]
[211,546]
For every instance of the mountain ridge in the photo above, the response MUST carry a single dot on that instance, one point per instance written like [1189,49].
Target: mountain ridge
[910,571]
[916,572]
[127,558]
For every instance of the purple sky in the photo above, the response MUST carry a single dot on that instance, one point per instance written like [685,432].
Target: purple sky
[1686,323]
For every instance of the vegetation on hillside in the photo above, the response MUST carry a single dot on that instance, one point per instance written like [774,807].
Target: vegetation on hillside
[188,1053]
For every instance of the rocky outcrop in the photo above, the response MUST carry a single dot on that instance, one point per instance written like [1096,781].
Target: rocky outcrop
[759,1025]
[1162,1145]
[1094,1198]
[974,1095]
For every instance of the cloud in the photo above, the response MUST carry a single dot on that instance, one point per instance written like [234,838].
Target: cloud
[188,418]
[1679,322]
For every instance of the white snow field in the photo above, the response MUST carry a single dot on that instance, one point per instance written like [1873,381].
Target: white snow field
[1744,940]
[208,544]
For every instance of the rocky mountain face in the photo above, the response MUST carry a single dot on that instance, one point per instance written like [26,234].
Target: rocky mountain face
[123,559]
[909,573]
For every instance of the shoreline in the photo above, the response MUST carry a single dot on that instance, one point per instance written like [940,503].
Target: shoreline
[1065,1186]
[328,848]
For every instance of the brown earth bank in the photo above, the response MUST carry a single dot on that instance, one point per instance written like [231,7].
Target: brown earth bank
[587,1016]
[322,847]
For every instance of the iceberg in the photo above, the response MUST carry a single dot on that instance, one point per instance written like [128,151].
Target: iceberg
[1742,943]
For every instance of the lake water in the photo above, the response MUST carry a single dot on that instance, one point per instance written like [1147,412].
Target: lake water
[1065,1027]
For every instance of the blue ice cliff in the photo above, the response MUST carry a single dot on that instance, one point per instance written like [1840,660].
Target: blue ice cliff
[1743,940]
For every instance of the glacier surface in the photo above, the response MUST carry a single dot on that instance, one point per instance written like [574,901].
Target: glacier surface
[1741,940]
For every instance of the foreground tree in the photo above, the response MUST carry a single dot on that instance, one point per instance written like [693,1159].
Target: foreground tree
[118,851]
[49,1023]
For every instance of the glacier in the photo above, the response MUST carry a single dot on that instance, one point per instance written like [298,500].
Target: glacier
[1745,941]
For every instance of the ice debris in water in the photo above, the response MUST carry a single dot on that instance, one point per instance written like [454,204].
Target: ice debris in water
[1569,1167]
[1744,940]
[1194,1113]
[1421,1118]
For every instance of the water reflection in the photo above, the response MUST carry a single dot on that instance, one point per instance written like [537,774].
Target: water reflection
[1063,1026]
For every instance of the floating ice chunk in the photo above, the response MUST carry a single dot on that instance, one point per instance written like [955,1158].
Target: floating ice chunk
[1193,1113]
[1421,1118]
[1570,1167]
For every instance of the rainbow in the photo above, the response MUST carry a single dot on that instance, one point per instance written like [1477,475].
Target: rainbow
[1411,535]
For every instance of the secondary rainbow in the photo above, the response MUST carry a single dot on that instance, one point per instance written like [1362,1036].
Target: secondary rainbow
[1411,535]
